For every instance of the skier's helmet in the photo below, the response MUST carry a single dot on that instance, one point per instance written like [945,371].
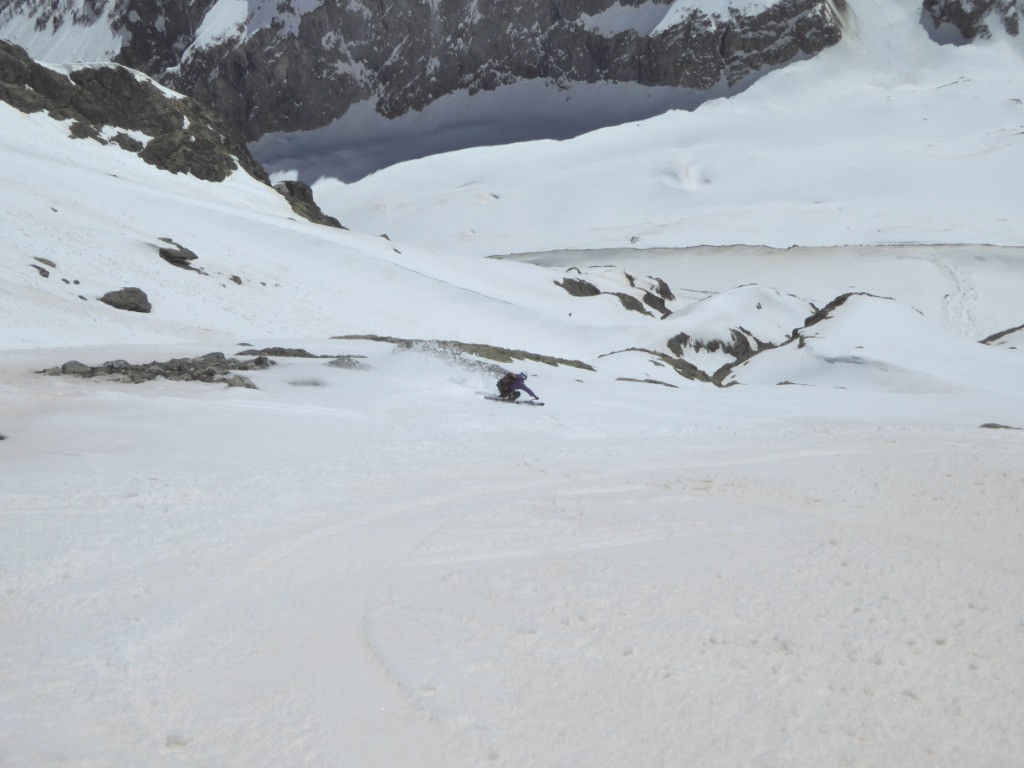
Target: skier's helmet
[523,376]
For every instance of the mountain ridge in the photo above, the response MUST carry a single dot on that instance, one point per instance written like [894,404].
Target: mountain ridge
[300,66]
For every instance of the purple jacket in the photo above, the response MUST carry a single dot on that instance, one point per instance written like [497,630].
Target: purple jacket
[516,381]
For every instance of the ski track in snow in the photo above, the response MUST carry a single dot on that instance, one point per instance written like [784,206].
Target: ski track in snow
[959,303]
[652,588]
[736,593]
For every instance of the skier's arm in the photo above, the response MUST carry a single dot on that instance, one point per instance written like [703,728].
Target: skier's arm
[528,391]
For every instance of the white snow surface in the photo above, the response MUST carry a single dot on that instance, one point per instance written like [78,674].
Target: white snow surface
[66,42]
[224,20]
[374,566]
[617,18]
[885,138]
[717,9]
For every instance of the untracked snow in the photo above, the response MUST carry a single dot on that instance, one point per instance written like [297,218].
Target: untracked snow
[364,563]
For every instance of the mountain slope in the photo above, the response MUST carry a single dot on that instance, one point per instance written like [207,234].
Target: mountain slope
[888,137]
[364,562]
[280,67]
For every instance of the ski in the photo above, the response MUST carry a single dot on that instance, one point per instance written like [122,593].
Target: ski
[512,402]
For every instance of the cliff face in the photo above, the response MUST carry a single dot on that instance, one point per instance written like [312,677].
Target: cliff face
[407,54]
[113,104]
[299,64]
[284,65]
[971,18]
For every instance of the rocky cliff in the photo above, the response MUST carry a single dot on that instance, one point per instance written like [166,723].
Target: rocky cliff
[299,64]
[285,65]
[970,18]
[405,55]
[113,104]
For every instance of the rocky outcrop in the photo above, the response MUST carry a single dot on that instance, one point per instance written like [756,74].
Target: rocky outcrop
[970,18]
[113,103]
[578,287]
[177,255]
[652,292]
[128,299]
[300,197]
[214,367]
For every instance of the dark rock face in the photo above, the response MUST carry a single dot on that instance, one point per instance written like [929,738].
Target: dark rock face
[294,66]
[970,17]
[128,299]
[300,197]
[578,287]
[158,32]
[408,54]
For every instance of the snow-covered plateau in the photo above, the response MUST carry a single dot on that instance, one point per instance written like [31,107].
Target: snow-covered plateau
[769,515]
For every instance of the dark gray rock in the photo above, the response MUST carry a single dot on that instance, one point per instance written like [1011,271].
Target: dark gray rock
[128,299]
[282,352]
[127,143]
[960,21]
[177,255]
[578,287]
[663,290]
[75,367]
[214,367]
[349,362]
[656,302]
[238,380]
[632,303]
[1001,337]
[300,197]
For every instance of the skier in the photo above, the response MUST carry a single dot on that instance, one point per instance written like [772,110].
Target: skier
[510,384]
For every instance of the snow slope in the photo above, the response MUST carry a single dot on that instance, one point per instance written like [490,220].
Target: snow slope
[885,138]
[372,565]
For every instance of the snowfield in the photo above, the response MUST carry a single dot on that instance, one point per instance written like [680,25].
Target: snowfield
[363,563]
[372,567]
